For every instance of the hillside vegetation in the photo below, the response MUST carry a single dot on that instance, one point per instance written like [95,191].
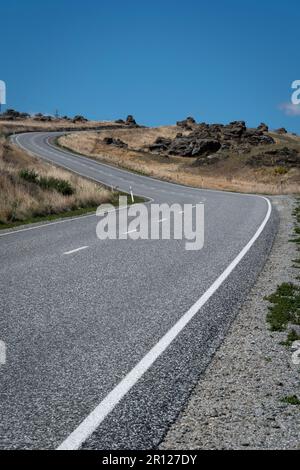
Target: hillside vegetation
[230,157]
[31,189]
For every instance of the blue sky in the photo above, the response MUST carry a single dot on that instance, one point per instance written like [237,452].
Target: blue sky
[158,60]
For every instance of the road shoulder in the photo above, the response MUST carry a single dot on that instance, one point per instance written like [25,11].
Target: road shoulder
[238,401]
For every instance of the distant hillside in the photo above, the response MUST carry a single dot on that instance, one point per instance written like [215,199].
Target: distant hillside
[231,157]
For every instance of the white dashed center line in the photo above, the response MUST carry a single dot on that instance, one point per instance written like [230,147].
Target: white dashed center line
[130,231]
[76,249]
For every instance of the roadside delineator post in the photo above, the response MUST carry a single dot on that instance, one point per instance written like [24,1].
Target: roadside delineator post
[131,194]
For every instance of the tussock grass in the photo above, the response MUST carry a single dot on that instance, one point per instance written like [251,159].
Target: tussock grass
[48,182]
[32,189]
[28,125]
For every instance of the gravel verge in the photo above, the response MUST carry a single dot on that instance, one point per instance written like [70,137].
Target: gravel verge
[237,402]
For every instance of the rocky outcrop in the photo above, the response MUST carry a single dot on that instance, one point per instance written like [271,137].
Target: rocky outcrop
[281,131]
[115,142]
[12,115]
[130,121]
[206,139]
[187,124]
[263,127]
[161,144]
[78,119]
[193,147]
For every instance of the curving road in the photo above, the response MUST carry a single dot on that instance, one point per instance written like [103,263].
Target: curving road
[106,339]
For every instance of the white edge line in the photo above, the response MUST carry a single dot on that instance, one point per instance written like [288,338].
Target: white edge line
[76,249]
[95,418]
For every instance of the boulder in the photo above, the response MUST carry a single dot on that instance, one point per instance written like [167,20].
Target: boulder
[263,127]
[115,142]
[256,137]
[234,130]
[281,130]
[205,147]
[161,144]
[78,118]
[187,147]
[130,121]
[187,123]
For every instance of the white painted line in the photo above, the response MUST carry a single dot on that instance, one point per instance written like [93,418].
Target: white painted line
[47,224]
[160,220]
[76,249]
[95,418]
[130,231]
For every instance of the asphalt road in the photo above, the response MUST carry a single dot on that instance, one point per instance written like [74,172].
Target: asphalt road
[105,344]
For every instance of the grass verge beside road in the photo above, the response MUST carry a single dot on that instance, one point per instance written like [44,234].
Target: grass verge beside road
[35,191]
[284,311]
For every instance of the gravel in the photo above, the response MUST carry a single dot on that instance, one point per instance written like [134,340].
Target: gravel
[237,402]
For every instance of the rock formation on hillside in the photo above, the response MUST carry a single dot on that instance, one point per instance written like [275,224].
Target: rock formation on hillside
[130,121]
[205,139]
[115,142]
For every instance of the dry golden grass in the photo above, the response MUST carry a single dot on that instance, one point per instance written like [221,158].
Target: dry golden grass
[21,200]
[137,138]
[231,174]
[31,125]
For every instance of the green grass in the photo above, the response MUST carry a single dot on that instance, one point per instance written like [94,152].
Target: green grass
[280,170]
[285,306]
[291,400]
[285,301]
[291,337]
[29,175]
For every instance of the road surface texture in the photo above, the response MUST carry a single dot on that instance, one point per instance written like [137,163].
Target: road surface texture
[104,344]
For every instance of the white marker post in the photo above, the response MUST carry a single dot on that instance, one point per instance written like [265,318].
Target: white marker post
[131,194]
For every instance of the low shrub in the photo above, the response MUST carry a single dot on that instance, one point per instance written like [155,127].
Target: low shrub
[29,175]
[62,186]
